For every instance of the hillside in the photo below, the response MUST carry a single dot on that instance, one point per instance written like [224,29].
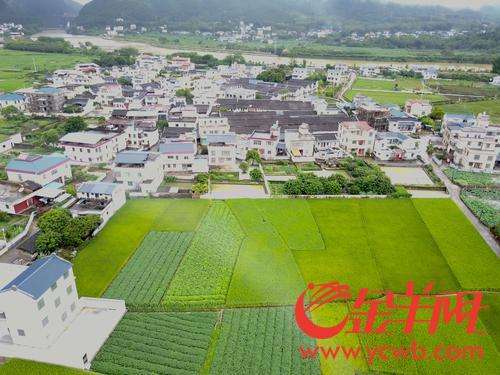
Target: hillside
[46,13]
[288,14]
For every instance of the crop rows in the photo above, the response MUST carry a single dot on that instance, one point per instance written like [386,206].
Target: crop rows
[261,341]
[145,278]
[160,343]
[204,274]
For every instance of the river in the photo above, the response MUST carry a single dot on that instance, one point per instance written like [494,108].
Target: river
[112,44]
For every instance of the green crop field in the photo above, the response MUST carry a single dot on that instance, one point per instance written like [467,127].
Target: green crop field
[392,97]
[17,68]
[157,343]
[388,84]
[212,283]
[145,278]
[491,107]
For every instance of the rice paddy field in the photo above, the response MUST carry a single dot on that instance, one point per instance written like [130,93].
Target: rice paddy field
[388,91]
[211,285]
[19,69]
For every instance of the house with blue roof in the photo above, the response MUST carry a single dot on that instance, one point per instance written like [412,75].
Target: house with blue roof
[42,169]
[37,303]
[99,198]
[43,319]
[139,171]
[13,99]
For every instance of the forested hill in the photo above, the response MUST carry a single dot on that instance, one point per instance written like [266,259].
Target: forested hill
[42,13]
[358,15]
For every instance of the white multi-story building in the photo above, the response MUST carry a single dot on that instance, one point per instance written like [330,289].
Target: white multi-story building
[356,137]
[264,142]
[139,170]
[39,303]
[395,146]
[300,144]
[222,150]
[93,146]
[212,125]
[302,73]
[8,143]
[42,319]
[369,70]
[99,198]
[338,75]
[239,93]
[142,134]
[178,156]
[472,145]
[418,108]
[42,169]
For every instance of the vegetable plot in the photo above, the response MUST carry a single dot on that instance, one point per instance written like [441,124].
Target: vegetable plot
[158,343]
[144,280]
[262,341]
[204,274]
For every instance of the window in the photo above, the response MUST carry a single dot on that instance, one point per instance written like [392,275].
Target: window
[73,307]
[64,316]
[41,303]
[69,289]
[2,315]
[57,302]
[54,286]
[66,274]
[20,332]
[45,321]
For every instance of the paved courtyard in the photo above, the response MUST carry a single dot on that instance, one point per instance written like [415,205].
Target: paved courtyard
[223,191]
[407,176]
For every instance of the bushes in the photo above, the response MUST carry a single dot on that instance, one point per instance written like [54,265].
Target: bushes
[58,229]
[201,183]
[367,179]
[256,175]
[400,193]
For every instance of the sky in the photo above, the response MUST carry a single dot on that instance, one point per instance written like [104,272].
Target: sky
[476,4]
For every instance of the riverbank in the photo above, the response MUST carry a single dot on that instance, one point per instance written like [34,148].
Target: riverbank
[254,57]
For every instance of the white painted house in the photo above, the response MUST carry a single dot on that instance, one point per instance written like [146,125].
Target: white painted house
[93,146]
[42,169]
[16,100]
[178,156]
[99,198]
[395,146]
[222,150]
[356,137]
[139,170]
[418,108]
[42,318]
[300,144]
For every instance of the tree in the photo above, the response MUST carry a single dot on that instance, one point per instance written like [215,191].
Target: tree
[253,156]
[125,81]
[47,242]
[244,166]
[256,175]
[496,65]
[162,124]
[437,113]
[200,188]
[54,220]
[10,112]
[186,93]
[75,124]
[427,121]
[70,189]
[277,75]
[72,108]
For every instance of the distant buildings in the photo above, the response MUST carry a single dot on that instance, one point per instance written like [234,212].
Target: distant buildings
[418,108]
[13,99]
[46,100]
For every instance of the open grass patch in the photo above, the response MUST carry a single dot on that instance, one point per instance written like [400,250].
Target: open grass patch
[261,341]
[470,258]
[265,273]
[403,247]
[145,278]
[17,366]
[347,257]
[293,221]
[157,343]
[204,274]
[98,263]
